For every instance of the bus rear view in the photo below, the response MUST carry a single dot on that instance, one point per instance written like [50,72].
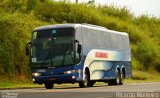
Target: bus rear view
[66,53]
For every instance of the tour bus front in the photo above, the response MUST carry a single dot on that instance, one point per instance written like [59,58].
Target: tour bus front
[54,56]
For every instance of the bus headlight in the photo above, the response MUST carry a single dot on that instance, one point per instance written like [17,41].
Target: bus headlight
[33,80]
[36,74]
[69,72]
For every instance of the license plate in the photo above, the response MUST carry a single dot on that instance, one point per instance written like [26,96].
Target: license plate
[51,79]
[41,70]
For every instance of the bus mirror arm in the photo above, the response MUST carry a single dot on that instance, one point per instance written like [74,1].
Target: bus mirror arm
[27,48]
[76,41]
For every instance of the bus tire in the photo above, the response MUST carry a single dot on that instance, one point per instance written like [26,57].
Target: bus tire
[49,85]
[91,83]
[117,80]
[121,79]
[85,83]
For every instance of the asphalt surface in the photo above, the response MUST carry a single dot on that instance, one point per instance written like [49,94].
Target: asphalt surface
[134,90]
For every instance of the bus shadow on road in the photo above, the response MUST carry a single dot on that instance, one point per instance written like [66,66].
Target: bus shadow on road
[77,87]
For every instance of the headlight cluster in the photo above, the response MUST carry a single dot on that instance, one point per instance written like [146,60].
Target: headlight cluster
[72,71]
[69,72]
[36,74]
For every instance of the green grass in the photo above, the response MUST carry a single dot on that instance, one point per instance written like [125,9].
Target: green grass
[11,85]
[142,76]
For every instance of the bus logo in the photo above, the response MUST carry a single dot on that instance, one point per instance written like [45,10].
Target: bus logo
[101,55]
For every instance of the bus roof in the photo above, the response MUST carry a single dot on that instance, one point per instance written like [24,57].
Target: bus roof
[72,25]
[56,26]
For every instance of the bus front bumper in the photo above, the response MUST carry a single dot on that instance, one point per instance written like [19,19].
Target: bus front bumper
[66,78]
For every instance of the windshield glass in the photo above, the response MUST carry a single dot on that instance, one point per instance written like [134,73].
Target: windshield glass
[53,47]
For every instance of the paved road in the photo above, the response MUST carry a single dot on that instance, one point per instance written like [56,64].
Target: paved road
[98,91]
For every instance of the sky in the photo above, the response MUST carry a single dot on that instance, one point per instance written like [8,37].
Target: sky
[137,7]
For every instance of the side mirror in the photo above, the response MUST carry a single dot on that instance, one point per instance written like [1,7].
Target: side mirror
[28,48]
[79,49]
[27,51]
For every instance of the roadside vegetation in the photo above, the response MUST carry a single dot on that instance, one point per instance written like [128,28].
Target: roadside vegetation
[19,17]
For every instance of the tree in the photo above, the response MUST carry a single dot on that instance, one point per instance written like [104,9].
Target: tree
[91,2]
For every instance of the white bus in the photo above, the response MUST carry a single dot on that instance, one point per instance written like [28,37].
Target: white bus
[79,53]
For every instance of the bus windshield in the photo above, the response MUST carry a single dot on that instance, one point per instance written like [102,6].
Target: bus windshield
[53,47]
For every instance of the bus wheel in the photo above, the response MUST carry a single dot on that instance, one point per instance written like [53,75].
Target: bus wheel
[116,81]
[49,85]
[121,79]
[118,78]
[85,83]
[81,85]
[91,83]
